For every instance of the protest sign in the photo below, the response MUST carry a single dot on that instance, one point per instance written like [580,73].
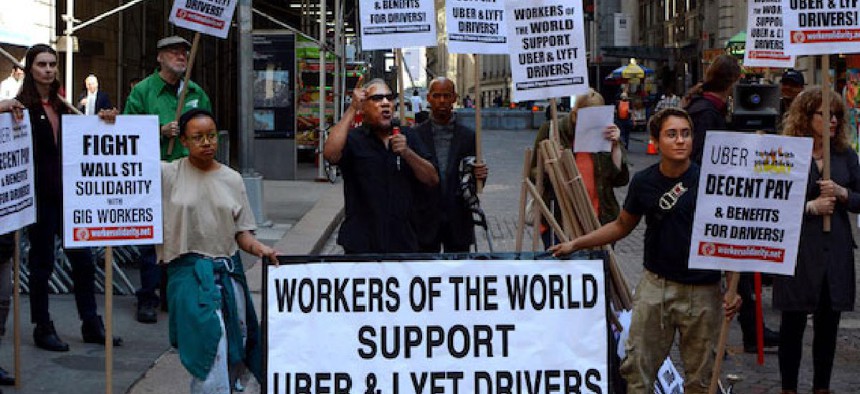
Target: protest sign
[437,326]
[387,24]
[476,27]
[210,17]
[17,195]
[547,49]
[750,204]
[817,27]
[764,45]
[111,181]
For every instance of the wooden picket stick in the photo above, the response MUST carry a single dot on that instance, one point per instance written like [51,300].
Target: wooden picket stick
[16,308]
[398,60]
[551,168]
[825,110]
[545,211]
[553,123]
[181,103]
[536,235]
[109,319]
[479,157]
[724,333]
[521,224]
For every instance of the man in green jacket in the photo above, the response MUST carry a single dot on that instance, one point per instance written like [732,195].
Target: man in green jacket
[158,94]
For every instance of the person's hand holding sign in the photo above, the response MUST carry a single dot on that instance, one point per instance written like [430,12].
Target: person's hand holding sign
[13,106]
[170,129]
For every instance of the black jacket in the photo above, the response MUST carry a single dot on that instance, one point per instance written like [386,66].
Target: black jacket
[705,117]
[435,209]
[102,102]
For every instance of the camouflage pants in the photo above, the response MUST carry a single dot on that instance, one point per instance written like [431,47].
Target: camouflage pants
[660,308]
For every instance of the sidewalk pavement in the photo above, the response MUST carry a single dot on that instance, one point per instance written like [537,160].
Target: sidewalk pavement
[299,210]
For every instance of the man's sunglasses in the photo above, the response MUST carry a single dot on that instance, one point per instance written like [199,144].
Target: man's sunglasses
[378,97]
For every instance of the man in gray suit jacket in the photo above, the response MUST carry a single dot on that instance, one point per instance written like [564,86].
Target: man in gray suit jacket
[442,219]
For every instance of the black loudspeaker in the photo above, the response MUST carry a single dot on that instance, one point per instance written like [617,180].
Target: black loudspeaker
[756,107]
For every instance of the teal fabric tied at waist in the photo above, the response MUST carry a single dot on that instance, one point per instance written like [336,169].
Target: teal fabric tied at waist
[193,299]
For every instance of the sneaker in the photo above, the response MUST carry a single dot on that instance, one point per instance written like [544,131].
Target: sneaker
[146,313]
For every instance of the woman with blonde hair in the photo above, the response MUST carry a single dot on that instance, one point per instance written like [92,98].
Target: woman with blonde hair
[601,171]
[824,280]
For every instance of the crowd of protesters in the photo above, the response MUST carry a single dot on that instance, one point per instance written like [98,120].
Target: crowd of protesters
[403,193]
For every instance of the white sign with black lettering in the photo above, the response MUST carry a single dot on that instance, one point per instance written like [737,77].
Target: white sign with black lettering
[476,26]
[387,24]
[111,181]
[210,17]
[750,202]
[437,327]
[547,49]
[819,27]
[764,45]
[17,192]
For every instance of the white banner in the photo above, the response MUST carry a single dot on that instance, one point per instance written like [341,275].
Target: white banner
[17,192]
[818,27]
[210,17]
[387,24]
[750,204]
[765,46]
[111,181]
[547,49]
[437,326]
[476,27]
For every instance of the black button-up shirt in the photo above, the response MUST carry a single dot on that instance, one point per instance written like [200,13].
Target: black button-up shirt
[378,195]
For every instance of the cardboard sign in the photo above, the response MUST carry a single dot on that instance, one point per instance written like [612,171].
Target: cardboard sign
[17,191]
[210,17]
[476,27]
[547,49]
[111,181]
[387,24]
[765,46]
[752,192]
[437,326]
[818,27]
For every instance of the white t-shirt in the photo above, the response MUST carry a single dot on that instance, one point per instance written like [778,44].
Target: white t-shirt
[417,104]
[203,211]
[9,88]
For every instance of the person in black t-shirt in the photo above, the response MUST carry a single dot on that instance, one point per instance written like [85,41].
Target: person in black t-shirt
[670,297]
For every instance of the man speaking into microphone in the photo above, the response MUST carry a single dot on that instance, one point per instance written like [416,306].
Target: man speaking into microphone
[380,169]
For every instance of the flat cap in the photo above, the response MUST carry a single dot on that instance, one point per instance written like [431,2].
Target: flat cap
[172,41]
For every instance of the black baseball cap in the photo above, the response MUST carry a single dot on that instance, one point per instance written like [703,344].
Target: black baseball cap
[793,76]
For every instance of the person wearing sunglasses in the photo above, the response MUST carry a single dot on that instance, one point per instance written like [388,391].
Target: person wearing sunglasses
[158,94]
[824,280]
[381,169]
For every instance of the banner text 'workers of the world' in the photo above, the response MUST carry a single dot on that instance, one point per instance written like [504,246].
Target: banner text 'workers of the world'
[547,49]
[750,202]
[765,46]
[111,181]
[437,327]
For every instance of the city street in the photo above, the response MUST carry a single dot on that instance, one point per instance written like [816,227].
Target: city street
[504,152]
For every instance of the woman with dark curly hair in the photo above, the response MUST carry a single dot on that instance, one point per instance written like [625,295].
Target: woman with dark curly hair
[823,283]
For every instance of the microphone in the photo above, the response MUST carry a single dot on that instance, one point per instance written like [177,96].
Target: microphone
[395,130]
